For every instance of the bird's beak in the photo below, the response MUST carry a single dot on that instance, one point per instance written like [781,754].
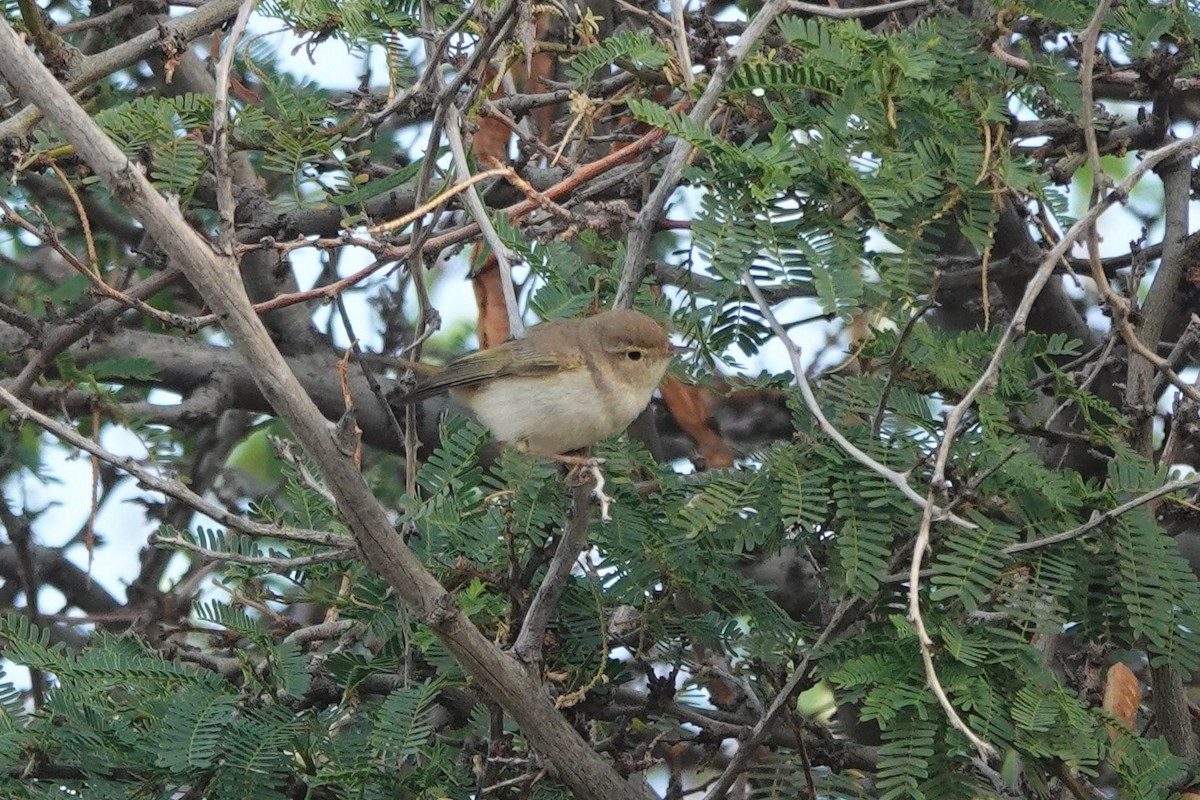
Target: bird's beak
[679,349]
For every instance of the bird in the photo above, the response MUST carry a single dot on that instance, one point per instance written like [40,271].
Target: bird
[565,385]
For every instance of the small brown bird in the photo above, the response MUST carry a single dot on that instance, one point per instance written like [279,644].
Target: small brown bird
[565,386]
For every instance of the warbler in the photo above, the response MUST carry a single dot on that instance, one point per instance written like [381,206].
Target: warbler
[565,385]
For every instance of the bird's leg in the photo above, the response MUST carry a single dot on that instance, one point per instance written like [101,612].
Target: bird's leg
[579,463]
[574,458]
[577,458]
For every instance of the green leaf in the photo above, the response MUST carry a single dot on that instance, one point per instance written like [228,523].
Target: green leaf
[136,369]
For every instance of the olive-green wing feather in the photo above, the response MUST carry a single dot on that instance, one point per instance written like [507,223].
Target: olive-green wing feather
[505,360]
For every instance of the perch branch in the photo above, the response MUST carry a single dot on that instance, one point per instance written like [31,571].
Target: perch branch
[217,279]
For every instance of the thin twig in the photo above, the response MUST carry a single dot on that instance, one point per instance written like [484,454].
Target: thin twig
[166,486]
[897,479]
[1087,67]
[854,13]
[388,412]
[277,564]
[464,185]
[516,327]
[1016,62]
[644,227]
[682,51]
[283,449]
[226,205]
[528,646]
[1183,347]
[530,778]
[986,750]
[84,222]
[1100,518]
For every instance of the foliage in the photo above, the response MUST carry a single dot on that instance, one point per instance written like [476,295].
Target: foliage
[848,165]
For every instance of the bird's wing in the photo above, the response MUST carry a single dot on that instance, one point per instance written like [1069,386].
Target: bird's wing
[462,371]
[473,368]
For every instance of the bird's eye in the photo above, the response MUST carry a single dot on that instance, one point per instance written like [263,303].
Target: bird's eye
[634,355]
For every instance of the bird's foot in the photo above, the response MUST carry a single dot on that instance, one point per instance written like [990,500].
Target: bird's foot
[576,459]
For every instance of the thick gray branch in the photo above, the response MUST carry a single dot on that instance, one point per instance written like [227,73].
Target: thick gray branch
[86,70]
[216,278]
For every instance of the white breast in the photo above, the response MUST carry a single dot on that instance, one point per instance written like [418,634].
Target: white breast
[572,415]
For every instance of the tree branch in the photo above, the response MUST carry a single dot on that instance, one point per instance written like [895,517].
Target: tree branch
[167,486]
[854,13]
[88,69]
[897,479]
[528,646]
[217,279]
[646,224]
[1015,328]
[1099,519]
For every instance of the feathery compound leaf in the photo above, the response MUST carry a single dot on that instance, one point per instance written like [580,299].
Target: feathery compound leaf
[288,669]
[166,128]
[674,124]
[967,564]
[456,462]
[404,722]
[12,708]
[1033,709]
[122,661]
[233,617]
[719,501]
[1036,596]
[803,487]
[258,749]
[755,77]
[30,645]
[904,761]
[193,725]
[353,21]
[1159,591]
[1144,766]
[215,540]
[635,49]
[864,529]
[836,45]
